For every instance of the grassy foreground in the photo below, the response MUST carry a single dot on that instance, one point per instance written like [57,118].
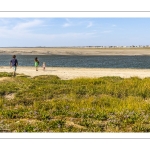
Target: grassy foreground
[49,104]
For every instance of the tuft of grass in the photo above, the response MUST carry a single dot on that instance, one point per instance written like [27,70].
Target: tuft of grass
[5,74]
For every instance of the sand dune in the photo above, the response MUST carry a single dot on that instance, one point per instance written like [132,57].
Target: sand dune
[71,73]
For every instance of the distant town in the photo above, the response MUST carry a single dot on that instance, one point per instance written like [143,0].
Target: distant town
[132,46]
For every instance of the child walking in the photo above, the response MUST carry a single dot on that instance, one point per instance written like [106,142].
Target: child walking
[44,65]
[36,62]
[14,64]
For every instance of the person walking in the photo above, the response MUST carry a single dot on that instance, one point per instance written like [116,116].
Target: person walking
[36,63]
[44,65]
[14,64]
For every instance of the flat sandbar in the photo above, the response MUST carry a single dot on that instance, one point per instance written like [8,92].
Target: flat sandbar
[74,51]
[72,73]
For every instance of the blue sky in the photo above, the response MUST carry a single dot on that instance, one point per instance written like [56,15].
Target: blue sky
[57,32]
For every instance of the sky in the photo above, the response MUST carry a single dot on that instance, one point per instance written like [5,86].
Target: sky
[57,32]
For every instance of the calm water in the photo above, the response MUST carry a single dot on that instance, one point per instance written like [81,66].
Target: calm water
[142,62]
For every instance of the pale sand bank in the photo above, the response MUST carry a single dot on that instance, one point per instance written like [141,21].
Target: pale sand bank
[71,73]
[75,51]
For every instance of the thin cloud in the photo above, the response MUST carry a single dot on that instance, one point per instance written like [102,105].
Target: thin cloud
[19,29]
[4,21]
[113,25]
[107,31]
[68,20]
[65,35]
[66,25]
[26,25]
[90,25]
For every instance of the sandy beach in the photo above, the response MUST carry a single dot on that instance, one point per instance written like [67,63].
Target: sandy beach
[72,73]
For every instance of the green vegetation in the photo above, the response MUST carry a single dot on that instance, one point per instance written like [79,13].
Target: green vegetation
[49,104]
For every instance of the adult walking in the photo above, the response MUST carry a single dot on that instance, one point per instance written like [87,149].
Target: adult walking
[14,64]
[36,63]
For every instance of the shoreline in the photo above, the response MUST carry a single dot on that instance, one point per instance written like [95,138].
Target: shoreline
[66,73]
[71,73]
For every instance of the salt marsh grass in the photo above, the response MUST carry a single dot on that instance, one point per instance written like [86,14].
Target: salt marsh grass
[49,104]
